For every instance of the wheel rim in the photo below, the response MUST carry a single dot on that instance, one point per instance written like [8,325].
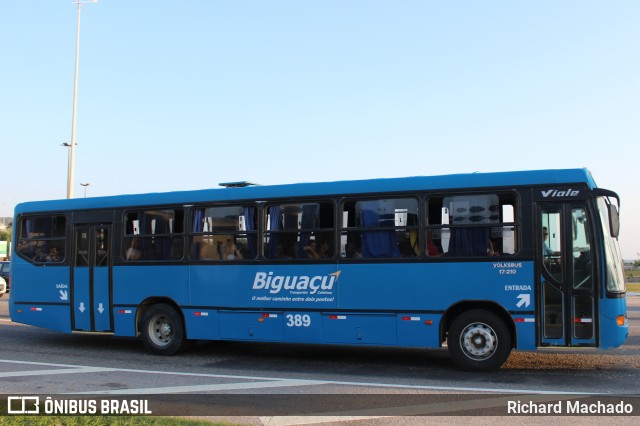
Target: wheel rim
[478,341]
[160,330]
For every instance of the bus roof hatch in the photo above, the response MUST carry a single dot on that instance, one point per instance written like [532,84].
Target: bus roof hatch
[240,184]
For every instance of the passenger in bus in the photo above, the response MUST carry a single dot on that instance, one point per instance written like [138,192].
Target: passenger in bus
[317,249]
[551,258]
[53,255]
[133,252]
[311,250]
[491,251]
[208,251]
[546,250]
[353,251]
[41,256]
[548,254]
[432,249]
[230,251]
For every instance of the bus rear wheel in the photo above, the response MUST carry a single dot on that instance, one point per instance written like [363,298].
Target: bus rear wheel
[479,340]
[162,331]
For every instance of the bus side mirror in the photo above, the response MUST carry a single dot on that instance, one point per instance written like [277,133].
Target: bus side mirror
[614,221]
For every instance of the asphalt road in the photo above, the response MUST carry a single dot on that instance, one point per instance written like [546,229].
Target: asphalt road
[43,362]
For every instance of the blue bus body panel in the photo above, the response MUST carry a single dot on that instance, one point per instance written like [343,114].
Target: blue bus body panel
[251,325]
[435,286]
[525,332]
[268,286]
[328,303]
[81,300]
[202,323]
[612,335]
[101,311]
[132,285]
[124,321]
[295,329]
[369,287]
[52,317]
[45,301]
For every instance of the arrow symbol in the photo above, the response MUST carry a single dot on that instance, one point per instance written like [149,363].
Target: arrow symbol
[100,308]
[525,299]
[63,295]
[81,307]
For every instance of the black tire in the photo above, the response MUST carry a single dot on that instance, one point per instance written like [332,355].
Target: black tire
[479,340]
[162,330]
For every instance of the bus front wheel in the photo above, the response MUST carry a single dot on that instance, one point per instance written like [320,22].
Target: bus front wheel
[479,340]
[162,331]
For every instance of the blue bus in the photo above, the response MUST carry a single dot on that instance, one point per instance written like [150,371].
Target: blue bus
[481,263]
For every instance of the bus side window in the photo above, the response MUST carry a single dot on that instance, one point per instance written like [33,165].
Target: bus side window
[380,228]
[223,233]
[153,235]
[42,239]
[299,231]
[473,225]
[552,243]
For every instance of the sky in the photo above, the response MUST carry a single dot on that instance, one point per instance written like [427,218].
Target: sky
[178,95]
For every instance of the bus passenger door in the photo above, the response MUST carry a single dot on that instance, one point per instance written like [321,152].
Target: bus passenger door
[91,296]
[567,311]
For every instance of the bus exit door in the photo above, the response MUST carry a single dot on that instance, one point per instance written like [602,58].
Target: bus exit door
[567,313]
[91,295]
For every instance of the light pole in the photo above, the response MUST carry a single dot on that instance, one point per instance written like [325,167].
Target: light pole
[68,145]
[72,154]
[85,188]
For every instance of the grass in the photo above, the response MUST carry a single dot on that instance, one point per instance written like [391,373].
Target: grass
[632,273]
[103,421]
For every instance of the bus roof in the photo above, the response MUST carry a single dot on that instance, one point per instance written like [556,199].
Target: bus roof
[236,193]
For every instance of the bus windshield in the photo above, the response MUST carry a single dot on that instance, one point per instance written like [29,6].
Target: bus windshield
[614,273]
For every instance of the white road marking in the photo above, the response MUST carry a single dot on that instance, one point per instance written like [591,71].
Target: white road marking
[51,372]
[284,380]
[202,388]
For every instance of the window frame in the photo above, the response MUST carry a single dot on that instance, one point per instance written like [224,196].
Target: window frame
[43,258]
[299,254]
[126,238]
[345,230]
[214,234]
[505,198]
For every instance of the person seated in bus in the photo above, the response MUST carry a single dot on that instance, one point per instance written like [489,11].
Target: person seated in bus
[491,251]
[230,251]
[432,248]
[353,250]
[133,252]
[546,251]
[41,256]
[53,255]
[551,258]
[208,251]
[317,249]
[310,251]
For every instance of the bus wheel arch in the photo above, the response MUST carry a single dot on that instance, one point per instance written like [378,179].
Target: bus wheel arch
[480,335]
[161,327]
